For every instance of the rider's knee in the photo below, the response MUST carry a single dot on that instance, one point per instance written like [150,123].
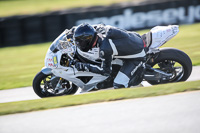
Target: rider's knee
[137,78]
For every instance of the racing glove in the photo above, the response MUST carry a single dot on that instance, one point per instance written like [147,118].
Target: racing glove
[92,68]
[82,66]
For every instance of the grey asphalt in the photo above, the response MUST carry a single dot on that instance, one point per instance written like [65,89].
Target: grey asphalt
[177,113]
[27,93]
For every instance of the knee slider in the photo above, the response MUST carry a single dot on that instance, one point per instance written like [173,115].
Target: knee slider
[118,86]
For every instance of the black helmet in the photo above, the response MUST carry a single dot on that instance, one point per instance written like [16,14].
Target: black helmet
[85,36]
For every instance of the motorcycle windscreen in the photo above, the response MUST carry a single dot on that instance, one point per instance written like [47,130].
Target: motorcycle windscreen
[59,42]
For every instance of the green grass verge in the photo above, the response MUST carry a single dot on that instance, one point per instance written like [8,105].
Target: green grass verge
[20,64]
[21,7]
[96,97]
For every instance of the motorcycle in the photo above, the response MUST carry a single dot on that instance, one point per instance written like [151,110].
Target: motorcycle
[60,77]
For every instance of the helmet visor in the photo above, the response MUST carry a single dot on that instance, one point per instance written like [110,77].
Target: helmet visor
[83,43]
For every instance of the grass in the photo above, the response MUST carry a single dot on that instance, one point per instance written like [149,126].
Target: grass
[22,7]
[20,64]
[96,97]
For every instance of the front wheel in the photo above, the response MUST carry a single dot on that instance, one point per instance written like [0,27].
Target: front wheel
[45,86]
[172,61]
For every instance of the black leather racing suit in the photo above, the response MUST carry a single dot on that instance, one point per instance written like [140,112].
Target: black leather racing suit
[117,43]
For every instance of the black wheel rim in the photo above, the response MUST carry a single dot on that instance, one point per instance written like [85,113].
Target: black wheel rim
[171,67]
[48,87]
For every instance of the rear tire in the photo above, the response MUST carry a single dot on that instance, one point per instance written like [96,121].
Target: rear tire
[172,54]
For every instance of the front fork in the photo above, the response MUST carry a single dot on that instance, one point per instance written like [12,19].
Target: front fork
[58,86]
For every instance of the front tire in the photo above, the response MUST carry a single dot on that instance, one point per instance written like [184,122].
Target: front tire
[42,86]
[166,62]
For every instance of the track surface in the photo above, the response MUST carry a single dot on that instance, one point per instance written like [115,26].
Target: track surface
[177,113]
[27,93]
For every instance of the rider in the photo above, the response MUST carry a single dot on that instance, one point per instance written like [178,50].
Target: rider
[113,43]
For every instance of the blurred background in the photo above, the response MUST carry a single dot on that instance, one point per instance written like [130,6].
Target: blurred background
[36,21]
[39,22]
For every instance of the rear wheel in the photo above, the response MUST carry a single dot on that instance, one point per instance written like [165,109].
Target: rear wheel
[45,86]
[174,62]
